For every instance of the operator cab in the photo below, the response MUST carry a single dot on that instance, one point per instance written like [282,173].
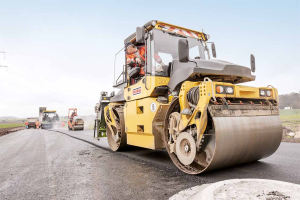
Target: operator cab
[161,50]
[173,54]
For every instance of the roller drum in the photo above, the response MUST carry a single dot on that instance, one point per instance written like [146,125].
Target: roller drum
[234,137]
[244,139]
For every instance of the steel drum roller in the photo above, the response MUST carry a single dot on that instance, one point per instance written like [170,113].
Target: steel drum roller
[244,139]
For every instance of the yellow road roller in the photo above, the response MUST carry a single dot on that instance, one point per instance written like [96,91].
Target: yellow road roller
[174,94]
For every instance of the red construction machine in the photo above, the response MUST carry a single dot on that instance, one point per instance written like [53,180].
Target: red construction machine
[74,122]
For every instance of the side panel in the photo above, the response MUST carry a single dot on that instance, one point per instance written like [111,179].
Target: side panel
[139,117]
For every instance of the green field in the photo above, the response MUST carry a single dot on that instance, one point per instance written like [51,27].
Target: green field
[290,119]
[10,125]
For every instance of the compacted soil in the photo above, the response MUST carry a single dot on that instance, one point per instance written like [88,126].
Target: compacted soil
[4,131]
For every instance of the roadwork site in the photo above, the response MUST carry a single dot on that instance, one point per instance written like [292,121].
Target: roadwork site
[101,105]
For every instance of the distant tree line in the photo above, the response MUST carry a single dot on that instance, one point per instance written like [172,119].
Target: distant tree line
[289,100]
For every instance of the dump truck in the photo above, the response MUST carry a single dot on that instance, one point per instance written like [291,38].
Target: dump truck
[74,121]
[50,119]
[193,105]
[32,122]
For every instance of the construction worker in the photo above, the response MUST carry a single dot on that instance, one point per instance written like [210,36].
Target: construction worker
[45,117]
[56,117]
[26,125]
[136,56]
[37,124]
[62,124]
[72,115]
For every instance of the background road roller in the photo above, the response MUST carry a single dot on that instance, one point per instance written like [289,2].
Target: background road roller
[190,104]
[74,122]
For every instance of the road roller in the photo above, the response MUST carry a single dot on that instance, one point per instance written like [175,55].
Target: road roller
[74,121]
[176,95]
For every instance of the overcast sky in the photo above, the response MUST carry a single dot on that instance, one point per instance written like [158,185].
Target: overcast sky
[60,54]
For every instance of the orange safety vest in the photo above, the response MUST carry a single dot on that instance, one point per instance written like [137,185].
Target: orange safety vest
[132,57]
[37,123]
[142,52]
[26,123]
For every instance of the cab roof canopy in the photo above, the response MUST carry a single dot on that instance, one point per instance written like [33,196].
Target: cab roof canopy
[170,28]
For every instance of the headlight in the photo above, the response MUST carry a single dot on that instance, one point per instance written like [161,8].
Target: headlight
[269,93]
[224,89]
[229,90]
[262,93]
[220,89]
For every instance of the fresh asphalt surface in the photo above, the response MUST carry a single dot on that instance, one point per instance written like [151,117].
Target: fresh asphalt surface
[63,164]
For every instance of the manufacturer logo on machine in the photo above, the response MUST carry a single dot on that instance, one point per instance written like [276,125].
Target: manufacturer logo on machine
[137,91]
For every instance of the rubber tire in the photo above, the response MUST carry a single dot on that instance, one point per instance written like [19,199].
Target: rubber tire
[110,139]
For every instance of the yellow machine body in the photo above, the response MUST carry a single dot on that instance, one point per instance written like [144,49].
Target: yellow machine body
[202,127]
[139,116]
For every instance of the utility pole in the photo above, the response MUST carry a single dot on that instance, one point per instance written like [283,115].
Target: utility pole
[3,57]
[3,54]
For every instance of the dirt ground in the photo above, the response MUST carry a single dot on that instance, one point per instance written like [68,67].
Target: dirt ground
[4,131]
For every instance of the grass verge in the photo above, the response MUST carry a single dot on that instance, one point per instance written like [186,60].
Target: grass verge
[290,119]
[10,125]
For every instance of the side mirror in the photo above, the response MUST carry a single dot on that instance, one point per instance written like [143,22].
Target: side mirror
[140,35]
[183,50]
[213,49]
[252,60]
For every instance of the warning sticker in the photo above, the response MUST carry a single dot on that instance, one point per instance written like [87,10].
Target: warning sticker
[136,91]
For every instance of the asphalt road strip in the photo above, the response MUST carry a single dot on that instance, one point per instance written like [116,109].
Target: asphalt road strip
[131,153]
[282,166]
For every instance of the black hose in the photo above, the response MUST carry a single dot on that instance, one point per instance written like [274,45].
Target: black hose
[193,95]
